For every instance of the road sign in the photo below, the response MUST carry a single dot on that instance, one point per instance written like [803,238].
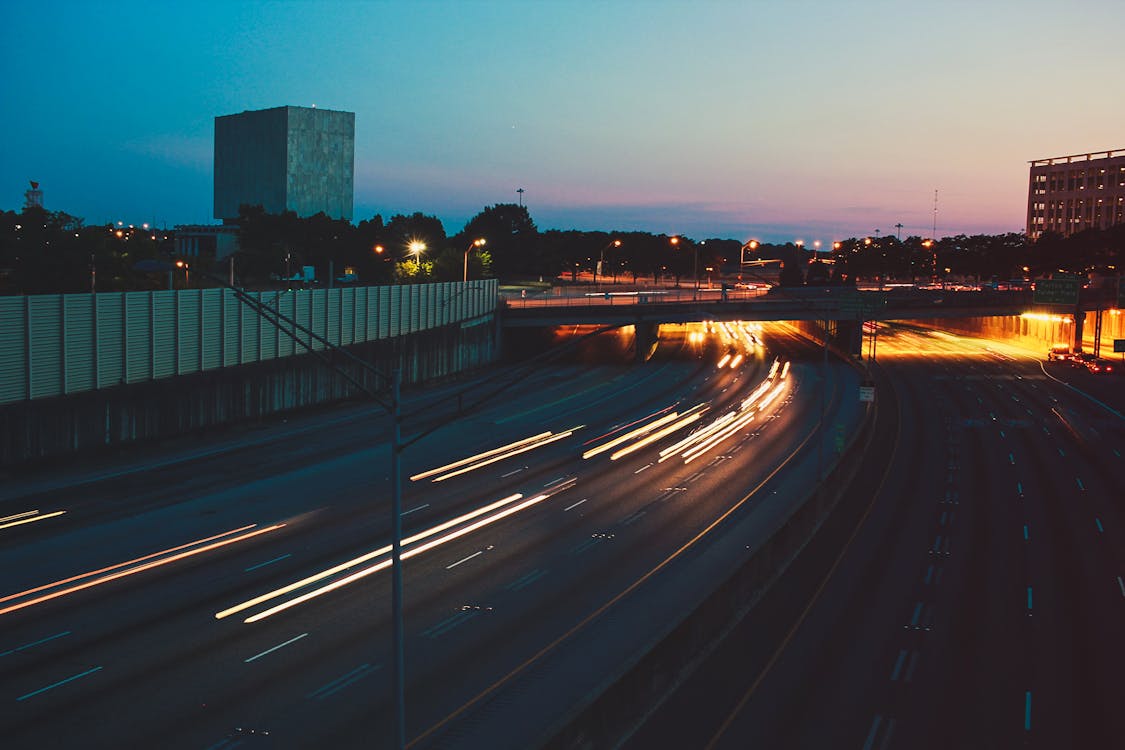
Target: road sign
[1120,292]
[867,392]
[1056,292]
[1119,345]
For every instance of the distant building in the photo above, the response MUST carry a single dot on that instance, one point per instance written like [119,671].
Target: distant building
[297,159]
[33,198]
[215,241]
[1068,194]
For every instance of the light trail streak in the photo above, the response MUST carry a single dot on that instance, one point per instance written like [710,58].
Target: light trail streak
[494,459]
[723,361]
[414,551]
[384,550]
[479,456]
[736,361]
[691,415]
[130,571]
[642,430]
[30,516]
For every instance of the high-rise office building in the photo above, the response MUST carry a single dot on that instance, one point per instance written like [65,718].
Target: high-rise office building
[1068,194]
[297,159]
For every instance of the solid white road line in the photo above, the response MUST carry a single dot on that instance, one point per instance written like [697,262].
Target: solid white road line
[275,648]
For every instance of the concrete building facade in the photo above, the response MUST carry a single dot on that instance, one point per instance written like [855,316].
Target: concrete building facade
[1069,194]
[297,159]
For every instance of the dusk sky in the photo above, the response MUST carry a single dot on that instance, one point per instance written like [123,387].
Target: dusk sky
[811,119]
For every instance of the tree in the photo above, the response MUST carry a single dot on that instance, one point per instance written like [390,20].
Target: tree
[512,240]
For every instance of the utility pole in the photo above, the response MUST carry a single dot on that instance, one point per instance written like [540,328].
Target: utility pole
[520,191]
[898,234]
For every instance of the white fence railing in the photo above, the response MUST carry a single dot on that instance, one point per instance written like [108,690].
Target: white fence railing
[55,344]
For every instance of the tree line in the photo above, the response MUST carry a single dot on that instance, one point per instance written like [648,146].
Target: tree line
[51,251]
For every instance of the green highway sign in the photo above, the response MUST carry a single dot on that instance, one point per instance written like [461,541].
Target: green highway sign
[1056,292]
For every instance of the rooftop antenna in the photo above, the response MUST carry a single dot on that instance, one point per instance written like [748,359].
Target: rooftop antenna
[933,233]
[898,234]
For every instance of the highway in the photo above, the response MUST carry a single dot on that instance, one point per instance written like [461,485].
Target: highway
[234,592]
[980,602]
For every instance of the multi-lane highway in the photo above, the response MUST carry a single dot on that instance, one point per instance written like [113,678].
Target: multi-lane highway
[235,592]
[980,603]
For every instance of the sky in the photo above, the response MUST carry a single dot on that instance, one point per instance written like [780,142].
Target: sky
[766,119]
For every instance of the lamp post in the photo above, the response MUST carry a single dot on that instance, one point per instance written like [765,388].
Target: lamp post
[601,259]
[478,243]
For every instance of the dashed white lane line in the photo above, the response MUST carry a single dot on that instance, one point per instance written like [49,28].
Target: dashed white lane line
[1098,521]
[1080,485]
[1025,537]
[1019,488]
[1027,711]
[898,665]
[1029,600]
[575,505]
[275,648]
[268,562]
[1121,585]
[414,510]
[464,559]
[513,472]
[33,644]
[646,466]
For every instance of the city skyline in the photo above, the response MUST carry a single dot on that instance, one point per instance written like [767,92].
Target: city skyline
[811,121]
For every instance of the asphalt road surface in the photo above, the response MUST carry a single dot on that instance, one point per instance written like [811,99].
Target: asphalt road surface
[980,602]
[233,592]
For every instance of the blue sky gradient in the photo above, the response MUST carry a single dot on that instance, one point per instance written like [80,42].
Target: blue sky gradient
[778,120]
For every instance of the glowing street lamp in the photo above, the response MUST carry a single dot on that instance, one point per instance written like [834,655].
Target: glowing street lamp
[478,243]
[601,259]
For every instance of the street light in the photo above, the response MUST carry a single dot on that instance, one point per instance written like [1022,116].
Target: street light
[601,259]
[476,243]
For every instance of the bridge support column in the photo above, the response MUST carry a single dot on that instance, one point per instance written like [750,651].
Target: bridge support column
[645,337]
[1079,325]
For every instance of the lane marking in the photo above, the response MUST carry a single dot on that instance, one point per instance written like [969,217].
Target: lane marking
[449,623]
[412,510]
[1029,600]
[512,473]
[1061,452]
[26,646]
[1098,521]
[1121,585]
[464,559]
[929,574]
[1011,459]
[646,466]
[898,665]
[57,684]
[870,743]
[554,481]
[526,580]
[911,667]
[342,682]
[576,504]
[1025,533]
[1080,485]
[267,562]
[1027,711]
[275,648]
[1019,488]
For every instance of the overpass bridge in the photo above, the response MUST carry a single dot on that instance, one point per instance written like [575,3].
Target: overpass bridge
[658,306]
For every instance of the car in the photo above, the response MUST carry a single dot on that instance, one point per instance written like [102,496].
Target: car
[1079,359]
[1060,352]
[1098,365]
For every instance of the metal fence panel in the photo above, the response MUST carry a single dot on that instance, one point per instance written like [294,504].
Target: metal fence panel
[46,345]
[78,342]
[110,340]
[13,349]
[231,328]
[189,324]
[347,316]
[164,333]
[211,328]
[250,327]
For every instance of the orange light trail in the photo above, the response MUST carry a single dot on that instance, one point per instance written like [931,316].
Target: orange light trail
[479,456]
[509,454]
[153,563]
